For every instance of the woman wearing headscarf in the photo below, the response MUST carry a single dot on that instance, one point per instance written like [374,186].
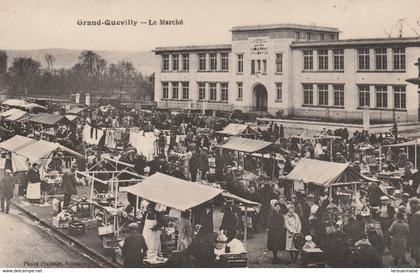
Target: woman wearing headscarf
[415,239]
[293,227]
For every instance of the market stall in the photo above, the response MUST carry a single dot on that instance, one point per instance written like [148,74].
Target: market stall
[174,195]
[236,129]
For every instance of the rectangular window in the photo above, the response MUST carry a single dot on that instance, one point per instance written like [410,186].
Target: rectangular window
[323,59]
[308,94]
[175,90]
[338,56]
[258,66]
[381,96]
[175,62]
[264,66]
[185,91]
[201,91]
[279,91]
[240,68]
[308,36]
[297,35]
[165,62]
[240,86]
[308,62]
[332,37]
[165,90]
[224,91]
[323,94]
[202,62]
[398,57]
[363,59]
[364,95]
[225,61]
[185,62]
[321,36]
[213,61]
[338,94]
[252,67]
[279,63]
[213,91]
[380,59]
[400,97]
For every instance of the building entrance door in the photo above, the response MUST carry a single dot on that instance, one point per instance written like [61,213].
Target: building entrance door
[260,98]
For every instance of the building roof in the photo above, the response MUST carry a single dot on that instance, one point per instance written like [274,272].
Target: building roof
[357,42]
[192,48]
[284,26]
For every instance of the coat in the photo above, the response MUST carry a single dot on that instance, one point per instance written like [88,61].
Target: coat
[69,183]
[276,240]
[133,250]
[399,233]
[204,161]
[33,176]
[6,187]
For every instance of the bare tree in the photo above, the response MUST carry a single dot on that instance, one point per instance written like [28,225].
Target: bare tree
[50,59]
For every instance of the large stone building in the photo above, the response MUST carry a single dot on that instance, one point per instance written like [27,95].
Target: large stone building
[294,70]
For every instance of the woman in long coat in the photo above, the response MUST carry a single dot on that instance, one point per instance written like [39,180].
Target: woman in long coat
[293,227]
[276,232]
[399,232]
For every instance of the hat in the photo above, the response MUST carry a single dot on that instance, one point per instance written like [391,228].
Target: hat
[384,198]
[133,226]
[397,192]
[405,194]
[308,238]
[205,148]
[8,171]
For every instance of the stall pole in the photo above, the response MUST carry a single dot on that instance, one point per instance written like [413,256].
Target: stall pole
[330,193]
[415,154]
[380,157]
[246,224]
[92,181]
[331,150]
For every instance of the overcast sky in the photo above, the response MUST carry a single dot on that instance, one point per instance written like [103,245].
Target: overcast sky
[33,24]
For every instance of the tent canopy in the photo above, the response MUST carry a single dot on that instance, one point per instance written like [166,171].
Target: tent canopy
[235,129]
[75,110]
[172,192]
[245,145]
[16,142]
[35,153]
[13,114]
[22,104]
[324,173]
[71,117]
[177,193]
[48,119]
[404,144]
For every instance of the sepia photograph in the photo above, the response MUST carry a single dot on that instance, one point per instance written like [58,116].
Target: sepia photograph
[209,134]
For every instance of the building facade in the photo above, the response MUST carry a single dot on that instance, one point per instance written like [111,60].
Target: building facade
[294,71]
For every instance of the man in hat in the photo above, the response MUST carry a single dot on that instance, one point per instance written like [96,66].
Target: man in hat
[69,185]
[134,248]
[7,185]
[204,163]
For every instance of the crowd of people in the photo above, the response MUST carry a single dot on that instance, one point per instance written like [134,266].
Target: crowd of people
[187,145]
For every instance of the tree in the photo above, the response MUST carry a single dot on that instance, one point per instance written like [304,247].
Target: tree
[122,75]
[94,64]
[24,75]
[3,64]
[50,59]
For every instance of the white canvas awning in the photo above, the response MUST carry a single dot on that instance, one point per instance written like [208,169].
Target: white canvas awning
[16,142]
[245,145]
